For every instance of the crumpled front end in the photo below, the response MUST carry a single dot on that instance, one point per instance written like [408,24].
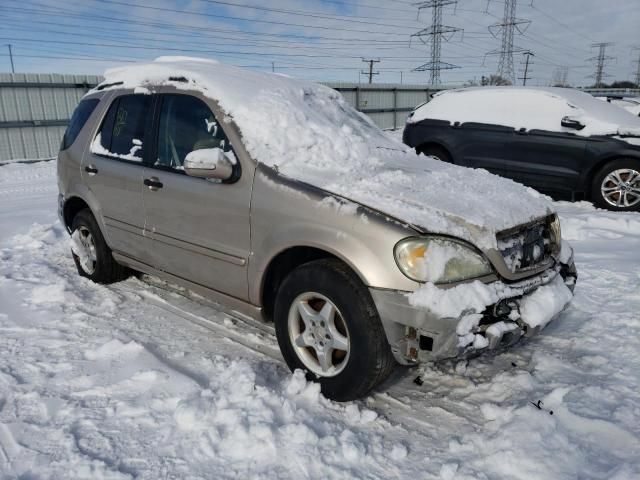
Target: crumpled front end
[435,323]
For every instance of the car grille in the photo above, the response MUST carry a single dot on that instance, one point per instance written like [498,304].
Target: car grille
[528,247]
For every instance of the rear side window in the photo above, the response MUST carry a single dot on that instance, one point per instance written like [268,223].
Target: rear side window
[80,116]
[123,129]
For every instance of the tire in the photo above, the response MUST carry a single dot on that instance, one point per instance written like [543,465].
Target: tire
[105,268]
[435,151]
[368,360]
[627,170]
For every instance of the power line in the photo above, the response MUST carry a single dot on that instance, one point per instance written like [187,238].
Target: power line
[304,13]
[190,29]
[250,20]
[509,25]
[435,33]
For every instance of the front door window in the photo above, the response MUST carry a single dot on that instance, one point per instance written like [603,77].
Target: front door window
[186,125]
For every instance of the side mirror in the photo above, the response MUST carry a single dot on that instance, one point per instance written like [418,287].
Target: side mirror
[568,122]
[209,163]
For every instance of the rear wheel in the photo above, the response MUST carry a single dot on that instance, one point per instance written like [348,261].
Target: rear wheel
[435,151]
[90,252]
[328,326]
[616,186]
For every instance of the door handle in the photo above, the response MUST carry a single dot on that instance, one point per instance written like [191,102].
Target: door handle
[153,183]
[91,170]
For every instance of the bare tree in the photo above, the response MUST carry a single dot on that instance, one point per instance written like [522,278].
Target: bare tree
[495,80]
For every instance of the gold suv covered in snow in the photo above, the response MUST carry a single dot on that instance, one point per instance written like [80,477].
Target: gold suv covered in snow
[276,199]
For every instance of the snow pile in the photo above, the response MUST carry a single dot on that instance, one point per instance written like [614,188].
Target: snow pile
[529,108]
[538,308]
[310,133]
[114,382]
[474,297]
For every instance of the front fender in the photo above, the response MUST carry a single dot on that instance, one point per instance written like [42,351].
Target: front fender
[287,214]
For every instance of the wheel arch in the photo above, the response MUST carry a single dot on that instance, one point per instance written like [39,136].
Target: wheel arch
[72,206]
[590,174]
[437,145]
[284,263]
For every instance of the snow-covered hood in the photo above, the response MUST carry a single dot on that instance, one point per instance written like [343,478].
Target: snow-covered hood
[310,133]
[434,196]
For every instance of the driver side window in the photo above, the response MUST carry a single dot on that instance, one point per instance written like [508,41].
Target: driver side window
[186,125]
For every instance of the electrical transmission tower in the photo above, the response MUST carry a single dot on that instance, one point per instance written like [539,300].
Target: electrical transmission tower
[507,28]
[600,60]
[638,66]
[560,77]
[434,35]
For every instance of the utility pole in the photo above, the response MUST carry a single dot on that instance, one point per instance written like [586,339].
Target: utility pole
[507,28]
[526,68]
[600,60]
[371,73]
[434,36]
[13,70]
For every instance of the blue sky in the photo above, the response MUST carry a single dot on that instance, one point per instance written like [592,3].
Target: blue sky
[315,39]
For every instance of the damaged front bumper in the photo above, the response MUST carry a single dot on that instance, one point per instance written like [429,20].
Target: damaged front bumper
[417,335]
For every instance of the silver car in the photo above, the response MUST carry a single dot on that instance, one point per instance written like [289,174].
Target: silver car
[276,199]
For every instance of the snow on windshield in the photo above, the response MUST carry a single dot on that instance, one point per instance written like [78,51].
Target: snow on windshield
[310,133]
[529,108]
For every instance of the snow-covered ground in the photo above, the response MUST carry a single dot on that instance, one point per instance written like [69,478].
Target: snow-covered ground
[141,380]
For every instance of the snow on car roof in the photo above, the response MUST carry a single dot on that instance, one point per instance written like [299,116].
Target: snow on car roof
[532,108]
[310,133]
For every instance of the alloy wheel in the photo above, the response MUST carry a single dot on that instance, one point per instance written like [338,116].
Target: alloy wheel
[86,250]
[621,188]
[319,334]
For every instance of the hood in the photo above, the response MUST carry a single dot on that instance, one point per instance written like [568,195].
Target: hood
[436,197]
[308,132]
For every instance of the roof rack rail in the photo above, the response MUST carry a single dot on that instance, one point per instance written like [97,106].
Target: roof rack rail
[102,86]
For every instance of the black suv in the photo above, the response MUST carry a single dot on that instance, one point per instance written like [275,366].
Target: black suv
[557,140]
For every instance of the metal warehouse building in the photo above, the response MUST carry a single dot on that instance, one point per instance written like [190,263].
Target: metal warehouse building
[34,111]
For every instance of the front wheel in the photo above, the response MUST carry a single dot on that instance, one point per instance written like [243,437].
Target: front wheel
[327,325]
[617,186]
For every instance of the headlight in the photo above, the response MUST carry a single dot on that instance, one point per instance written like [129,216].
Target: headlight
[555,234]
[439,260]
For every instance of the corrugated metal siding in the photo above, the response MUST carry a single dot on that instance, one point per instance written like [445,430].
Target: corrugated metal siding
[37,98]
